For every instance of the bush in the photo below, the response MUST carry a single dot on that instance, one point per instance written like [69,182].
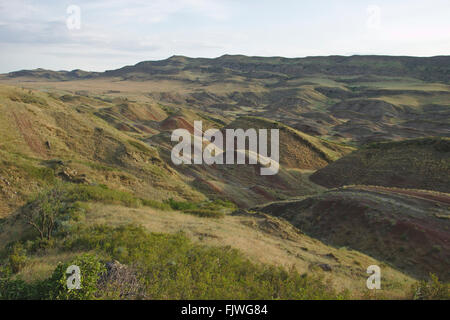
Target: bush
[55,287]
[172,267]
[43,212]
[164,266]
[101,194]
[205,213]
[55,209]
[91,270]
[155,204]
[17,290]
[44,174]
[181,205]
[17,258]
[210,209]
[431,290]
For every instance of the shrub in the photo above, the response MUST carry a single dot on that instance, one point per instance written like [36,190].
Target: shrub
[211,209]
[181,205]
[17,290]
[205,213]
[55,210]
[164,266]
[55,287]
[46,175]
[102,194]
[91,270]
[172,267]
[17,258]
[155,204]
[44,210]
[29,98]
[431,290]
[120,282]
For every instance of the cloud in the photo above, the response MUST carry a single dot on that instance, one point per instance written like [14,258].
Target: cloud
[105,25]
[156,11]
[35,31]
[20,10]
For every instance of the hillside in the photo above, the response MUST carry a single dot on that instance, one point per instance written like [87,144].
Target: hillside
[417,163]
[407,228]
[243,184]
[86,144]
[297,149]
[185,242]
[355,100]
[429,69]
[46,138]
[89,153]
[125,144]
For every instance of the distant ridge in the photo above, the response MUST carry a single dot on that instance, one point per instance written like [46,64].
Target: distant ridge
[424,68]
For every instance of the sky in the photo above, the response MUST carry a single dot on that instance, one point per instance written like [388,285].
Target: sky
[108,34]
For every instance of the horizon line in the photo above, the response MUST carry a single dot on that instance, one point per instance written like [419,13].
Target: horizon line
[234,55]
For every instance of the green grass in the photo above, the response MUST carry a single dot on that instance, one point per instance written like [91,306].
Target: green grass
[209,209]
[413,163]
[73,193]
[28,98]
[101,193]
[168,267]
[98,166]
[207,213]
[142,147]
[39,173]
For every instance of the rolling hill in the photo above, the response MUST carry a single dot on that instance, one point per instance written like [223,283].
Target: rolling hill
[407,228]
[356,100]
[45,139]
[417,163]
[363,179]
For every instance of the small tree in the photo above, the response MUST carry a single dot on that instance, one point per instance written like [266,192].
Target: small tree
[43,211]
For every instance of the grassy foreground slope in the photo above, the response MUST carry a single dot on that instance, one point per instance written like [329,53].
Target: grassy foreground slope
[416,163]
[407,228]
[178,255]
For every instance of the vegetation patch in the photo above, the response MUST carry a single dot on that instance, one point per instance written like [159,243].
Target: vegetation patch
[167,267]
[208,209]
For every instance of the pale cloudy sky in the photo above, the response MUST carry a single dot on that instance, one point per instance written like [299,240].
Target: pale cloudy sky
[115,33]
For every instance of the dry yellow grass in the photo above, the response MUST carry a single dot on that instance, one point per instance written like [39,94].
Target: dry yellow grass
[39,268]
